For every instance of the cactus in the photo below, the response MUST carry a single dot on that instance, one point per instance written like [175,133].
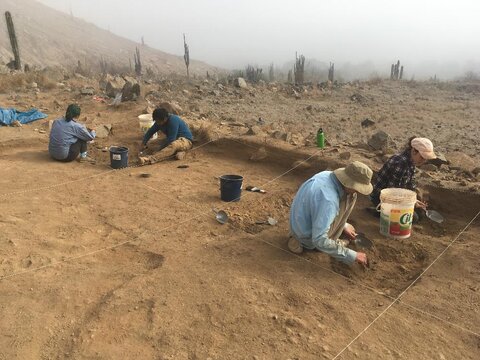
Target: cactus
[396,71]
[271,73]
[299,69]
[138,62]
[331,72]
[13,41]
[186,56]
[103,65]
[253,74]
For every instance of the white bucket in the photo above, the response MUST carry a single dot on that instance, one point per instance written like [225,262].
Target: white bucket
[146,121]
[396,212]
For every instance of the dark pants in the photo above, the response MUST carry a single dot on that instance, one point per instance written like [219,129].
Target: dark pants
[75,149]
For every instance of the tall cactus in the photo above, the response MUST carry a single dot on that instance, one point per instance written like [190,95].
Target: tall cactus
[396,71]
[186,56]
[331,72]
[13,40]
[299,69]
[138,62]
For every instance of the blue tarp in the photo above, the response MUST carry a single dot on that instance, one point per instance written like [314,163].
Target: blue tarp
[8,116]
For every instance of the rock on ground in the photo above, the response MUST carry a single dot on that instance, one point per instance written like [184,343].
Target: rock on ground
[240,82]
[381,141]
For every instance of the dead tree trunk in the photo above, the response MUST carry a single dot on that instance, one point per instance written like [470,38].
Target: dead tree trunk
[299,69]
[186,56]
[13,41]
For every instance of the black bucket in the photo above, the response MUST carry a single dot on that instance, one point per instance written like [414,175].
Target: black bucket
[231,187]
[118,157]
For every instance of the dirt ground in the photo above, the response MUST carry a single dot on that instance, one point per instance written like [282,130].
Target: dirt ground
[103,264]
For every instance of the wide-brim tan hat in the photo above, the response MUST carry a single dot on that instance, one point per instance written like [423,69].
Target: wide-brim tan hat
[356,176]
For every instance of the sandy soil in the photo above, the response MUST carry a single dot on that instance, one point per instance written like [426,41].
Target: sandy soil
[104,264]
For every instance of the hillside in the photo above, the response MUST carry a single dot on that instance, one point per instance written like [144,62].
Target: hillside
[48,37]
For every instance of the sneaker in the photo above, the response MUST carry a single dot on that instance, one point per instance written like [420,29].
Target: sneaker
[86,159]
[294,245]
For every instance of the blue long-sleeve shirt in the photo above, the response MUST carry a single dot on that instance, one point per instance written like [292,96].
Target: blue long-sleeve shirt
[313,211]
[64,134]
[174,128]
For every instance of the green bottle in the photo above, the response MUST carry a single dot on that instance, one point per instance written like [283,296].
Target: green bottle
[320,139]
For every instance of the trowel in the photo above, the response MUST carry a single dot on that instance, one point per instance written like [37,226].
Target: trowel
[362,241]
[221,216]
[434,216]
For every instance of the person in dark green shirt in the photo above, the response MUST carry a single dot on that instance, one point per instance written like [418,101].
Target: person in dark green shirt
[179,137]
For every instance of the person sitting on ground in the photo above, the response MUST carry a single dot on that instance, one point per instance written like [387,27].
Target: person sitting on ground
[68,138]
[179,138]
[320,210]
[399,170]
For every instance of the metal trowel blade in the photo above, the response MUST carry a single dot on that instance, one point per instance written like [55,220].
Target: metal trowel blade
[434,216]
[362,241]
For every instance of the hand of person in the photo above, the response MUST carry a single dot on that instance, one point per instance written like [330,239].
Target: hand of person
[421,205]
[361,258]
[349,231]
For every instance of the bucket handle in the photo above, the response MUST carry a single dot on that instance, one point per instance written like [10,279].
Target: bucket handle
[378,207]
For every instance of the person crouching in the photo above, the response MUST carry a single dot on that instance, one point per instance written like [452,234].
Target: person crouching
[68,138]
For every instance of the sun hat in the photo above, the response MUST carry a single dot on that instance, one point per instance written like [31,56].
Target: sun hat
[356,176]
[425,147]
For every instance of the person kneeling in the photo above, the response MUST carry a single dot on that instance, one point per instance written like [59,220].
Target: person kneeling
[179,137]
[321,207]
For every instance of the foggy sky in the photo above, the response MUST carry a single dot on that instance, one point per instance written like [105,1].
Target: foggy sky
[426,35]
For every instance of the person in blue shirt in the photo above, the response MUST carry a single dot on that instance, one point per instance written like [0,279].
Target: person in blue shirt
[179,137]
[321,207]
[68,139]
